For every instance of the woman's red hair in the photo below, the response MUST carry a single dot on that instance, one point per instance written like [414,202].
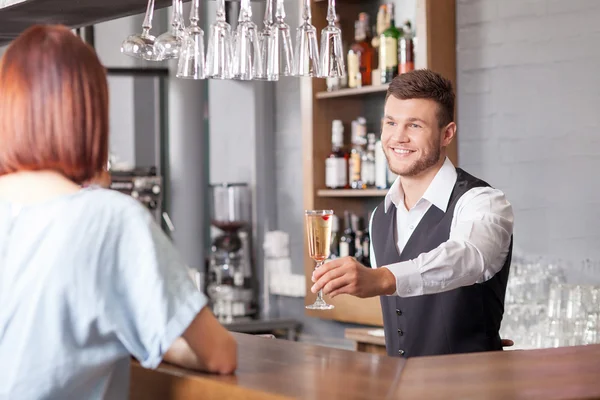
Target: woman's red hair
[53,105]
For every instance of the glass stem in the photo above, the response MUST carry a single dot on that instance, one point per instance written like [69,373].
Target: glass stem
[195,12]
[147,24]
[246,11]
[306,14]
[280,13]
[221,10]
[180,21]
[269,13]
[331,12]
[320,292]
[320,297]
[175,15]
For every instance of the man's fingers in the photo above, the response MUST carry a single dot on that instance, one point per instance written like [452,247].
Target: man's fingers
[323,269]
[328,266]
[326,278]
[339,284]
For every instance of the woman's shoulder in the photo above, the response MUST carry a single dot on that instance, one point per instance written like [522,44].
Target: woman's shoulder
[113,202]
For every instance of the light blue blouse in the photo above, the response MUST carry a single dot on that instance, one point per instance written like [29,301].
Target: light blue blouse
[86,280]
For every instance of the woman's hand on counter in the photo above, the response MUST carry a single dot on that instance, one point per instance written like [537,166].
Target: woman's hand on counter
[347,276]
[205,346]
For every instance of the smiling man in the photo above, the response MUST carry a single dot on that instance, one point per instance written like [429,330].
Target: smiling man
[441,241]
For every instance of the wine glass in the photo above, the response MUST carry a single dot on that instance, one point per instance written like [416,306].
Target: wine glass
[284,52]
[318,229]
[142,45]
[247,55]
[306,57]
[191,61]
[169,44]
[332,57]
[219,56]
[267,39]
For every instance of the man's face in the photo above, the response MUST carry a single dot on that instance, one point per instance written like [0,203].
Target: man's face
[411,137]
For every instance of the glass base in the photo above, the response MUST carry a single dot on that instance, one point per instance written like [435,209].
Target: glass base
[320,305]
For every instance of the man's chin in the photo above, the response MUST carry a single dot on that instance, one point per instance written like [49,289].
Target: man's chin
[403,170]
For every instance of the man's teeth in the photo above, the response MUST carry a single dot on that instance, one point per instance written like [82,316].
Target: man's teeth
[402,151]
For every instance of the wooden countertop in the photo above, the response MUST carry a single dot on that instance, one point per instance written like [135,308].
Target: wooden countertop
[277,369]
[272,369]
[561,373]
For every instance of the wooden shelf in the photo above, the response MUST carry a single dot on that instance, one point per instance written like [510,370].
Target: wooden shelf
[351,192]
[353,92]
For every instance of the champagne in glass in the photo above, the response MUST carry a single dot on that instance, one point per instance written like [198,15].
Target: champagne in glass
[318,228]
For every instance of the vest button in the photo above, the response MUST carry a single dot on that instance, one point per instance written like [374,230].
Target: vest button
[399,312]
[400,332]
[401,352]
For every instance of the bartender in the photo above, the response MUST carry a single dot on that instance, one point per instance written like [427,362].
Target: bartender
[441,240]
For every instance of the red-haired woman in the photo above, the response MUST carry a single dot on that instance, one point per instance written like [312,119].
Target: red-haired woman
[87,279]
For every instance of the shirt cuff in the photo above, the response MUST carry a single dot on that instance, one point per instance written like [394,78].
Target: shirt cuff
[409,281]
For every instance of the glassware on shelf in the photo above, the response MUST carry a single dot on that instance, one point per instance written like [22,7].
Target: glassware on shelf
[191,61]
[306,55]
[332,53]
[318,229]
[543,310]
[283,60]
[219,55]
[247,55]
[168,45]
[141,45]
[266,40]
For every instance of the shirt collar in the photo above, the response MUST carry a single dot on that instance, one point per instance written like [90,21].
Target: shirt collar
[438,193]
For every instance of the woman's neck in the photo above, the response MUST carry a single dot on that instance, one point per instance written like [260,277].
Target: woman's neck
[30,187]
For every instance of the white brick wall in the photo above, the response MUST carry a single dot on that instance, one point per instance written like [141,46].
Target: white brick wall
[528,100]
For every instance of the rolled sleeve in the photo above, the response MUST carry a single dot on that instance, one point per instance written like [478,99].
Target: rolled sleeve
[149,295]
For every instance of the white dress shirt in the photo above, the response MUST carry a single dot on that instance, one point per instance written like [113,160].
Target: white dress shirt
[479,240]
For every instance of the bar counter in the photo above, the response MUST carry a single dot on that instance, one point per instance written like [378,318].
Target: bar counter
[272,369]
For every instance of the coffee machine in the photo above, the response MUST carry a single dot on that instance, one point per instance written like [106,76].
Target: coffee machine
[230,283]
[143,184]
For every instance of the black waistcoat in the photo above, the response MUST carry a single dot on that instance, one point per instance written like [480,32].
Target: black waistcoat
[466,319]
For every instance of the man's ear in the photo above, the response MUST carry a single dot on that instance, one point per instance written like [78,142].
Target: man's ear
[448,133]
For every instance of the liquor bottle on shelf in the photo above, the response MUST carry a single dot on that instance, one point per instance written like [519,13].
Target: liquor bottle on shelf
[406,55]
[383,21]
[359,129]
[336,164]
[388,49]
[347,240]
[360,56]
[381,167]
[335,237]
[368,163]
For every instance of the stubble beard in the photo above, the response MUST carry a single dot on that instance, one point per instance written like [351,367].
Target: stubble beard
[429,159]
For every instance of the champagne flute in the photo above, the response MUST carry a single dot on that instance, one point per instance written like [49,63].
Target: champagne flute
[318,228]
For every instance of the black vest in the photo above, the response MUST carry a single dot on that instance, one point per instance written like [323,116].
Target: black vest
[463,320]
